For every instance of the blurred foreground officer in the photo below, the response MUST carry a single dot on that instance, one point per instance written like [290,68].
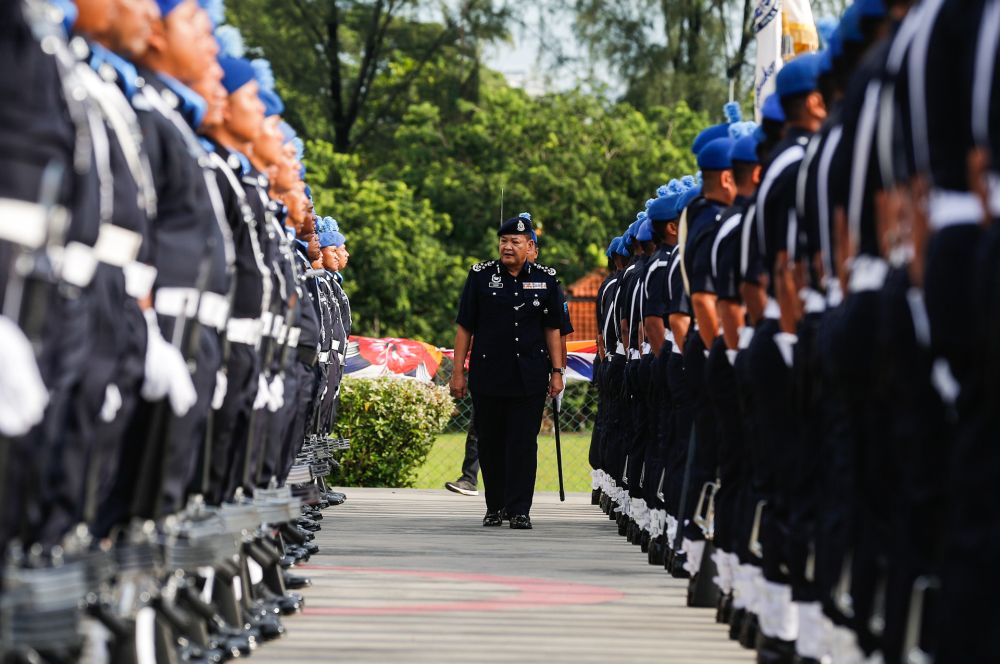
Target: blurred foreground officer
[512,310]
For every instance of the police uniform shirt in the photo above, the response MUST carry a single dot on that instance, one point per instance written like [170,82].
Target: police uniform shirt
[628,294]
[703,221]
[606,321]
[566,328]
[678,301]
[308,312]
[186,237]
[725,254]
[507,316]
[248,291]
[656,288]
[775,214]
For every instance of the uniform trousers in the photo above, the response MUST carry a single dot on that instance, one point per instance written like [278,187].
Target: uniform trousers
[636,450]
[309,376]
[278,425]
[682,420]
[720,381]
[704,464]
[594,454]
[750,491]
[507,427]
[612,444]
[659,399]
[230,422]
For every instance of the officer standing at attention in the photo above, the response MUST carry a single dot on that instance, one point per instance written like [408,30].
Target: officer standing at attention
[511,311]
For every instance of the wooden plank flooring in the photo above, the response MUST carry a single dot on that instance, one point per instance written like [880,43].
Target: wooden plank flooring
[412,576]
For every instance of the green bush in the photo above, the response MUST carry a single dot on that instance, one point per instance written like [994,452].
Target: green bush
[392,424]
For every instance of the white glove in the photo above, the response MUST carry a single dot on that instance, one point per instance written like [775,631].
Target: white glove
[221,387]
[112,403]
[263,393]
[167,374]
[277,394]
[23,396]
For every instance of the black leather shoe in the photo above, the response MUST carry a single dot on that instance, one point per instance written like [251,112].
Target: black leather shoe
[644,541]
[657,549]
[723,609]
[595,496]
[295,582]
[520,522]
[748,631]
[492,520]
[622,521]
[735,623]
[774,651]
[335,497]
[677,566]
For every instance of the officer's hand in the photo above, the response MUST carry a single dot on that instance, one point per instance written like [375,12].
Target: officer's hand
[458,388]
[555,384]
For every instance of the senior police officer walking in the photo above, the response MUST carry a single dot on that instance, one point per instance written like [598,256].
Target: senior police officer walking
[510,313]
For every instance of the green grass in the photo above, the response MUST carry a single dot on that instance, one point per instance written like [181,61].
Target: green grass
[444,463]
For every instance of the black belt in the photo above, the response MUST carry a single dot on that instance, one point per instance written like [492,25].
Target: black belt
[307,356]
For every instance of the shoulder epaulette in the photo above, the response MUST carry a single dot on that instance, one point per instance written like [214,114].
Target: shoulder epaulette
[547,270]
[483,265]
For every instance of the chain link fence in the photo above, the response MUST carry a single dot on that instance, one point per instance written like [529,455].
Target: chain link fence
[579,407]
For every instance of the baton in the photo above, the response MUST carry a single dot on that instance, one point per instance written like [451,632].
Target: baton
[555,417]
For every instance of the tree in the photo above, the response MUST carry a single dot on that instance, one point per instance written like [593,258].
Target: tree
[333,58]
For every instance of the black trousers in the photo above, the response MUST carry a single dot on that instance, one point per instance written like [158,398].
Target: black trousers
[704,465]
[230,422]
[613,454]
[594,456]
[470,464]
[507,428]
[720,381]
[681,424]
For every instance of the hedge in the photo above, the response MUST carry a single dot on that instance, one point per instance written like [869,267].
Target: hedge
[392,424]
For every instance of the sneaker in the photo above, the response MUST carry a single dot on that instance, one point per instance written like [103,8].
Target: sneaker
[492,520]
[464,487]
[520,522]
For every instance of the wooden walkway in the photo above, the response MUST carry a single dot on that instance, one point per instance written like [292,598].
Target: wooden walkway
[412,576]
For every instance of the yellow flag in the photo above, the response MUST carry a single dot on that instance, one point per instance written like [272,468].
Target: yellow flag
[798,29]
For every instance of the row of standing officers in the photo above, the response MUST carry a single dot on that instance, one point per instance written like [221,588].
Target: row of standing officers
[174,326]
[798,354]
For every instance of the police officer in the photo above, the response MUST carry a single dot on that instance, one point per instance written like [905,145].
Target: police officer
[510,314]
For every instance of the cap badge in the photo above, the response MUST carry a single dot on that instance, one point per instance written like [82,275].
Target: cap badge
[520,225]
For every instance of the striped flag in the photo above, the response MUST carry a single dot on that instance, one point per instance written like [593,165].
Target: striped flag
[768,31]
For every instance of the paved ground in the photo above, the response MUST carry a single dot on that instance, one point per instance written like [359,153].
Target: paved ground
[412,576]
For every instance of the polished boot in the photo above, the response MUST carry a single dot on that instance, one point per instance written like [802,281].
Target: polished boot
[595,497]
[622,521]
[657,550]
[724,609]
[771,650]
[736,623]
[644,540]
[677,566]
[748,631]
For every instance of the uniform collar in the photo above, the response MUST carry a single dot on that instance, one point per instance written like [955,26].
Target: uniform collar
[113,67]
[189,104]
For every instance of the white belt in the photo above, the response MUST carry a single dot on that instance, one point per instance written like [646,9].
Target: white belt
[946,207]
[324,357]
[75,263]
[293,336]
[22,223]
[336,345]
[867,274]
[212,308]
[813,301]
[244,331]
[139,279]
[771,309]
[117,246]
[619,349]
[633,354]
[266,319]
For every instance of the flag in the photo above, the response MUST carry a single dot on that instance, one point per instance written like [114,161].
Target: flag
[768,32]
[798,29]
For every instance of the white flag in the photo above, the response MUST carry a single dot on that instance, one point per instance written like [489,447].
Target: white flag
[798,29]
[767,28]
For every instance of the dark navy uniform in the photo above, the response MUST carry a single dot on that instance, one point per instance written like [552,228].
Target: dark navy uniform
[509,372]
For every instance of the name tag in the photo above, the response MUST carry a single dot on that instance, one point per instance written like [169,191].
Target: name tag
[535,285]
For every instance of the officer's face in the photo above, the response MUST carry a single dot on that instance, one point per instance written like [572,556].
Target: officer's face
[330,259]
[514,250]
[129,34]
[208,46]
[314,252]
[95,17]
[177,40]
[343,256]
[244,114]
[211,90]
[267,147]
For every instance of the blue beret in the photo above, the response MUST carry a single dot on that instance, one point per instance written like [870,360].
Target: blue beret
[825,61]
[534,236]
[287,132]
[686,198]
[326,239]
[745,150]
[715,155]
[516,226]
[771,109]
[645,232]
[611,246]
[621,247]
[236,72]
[167,6]
[709,134]
[664,208]
[338,239]
[272,103]
[798,76]
[309,192]
[871,8]
[850,25]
